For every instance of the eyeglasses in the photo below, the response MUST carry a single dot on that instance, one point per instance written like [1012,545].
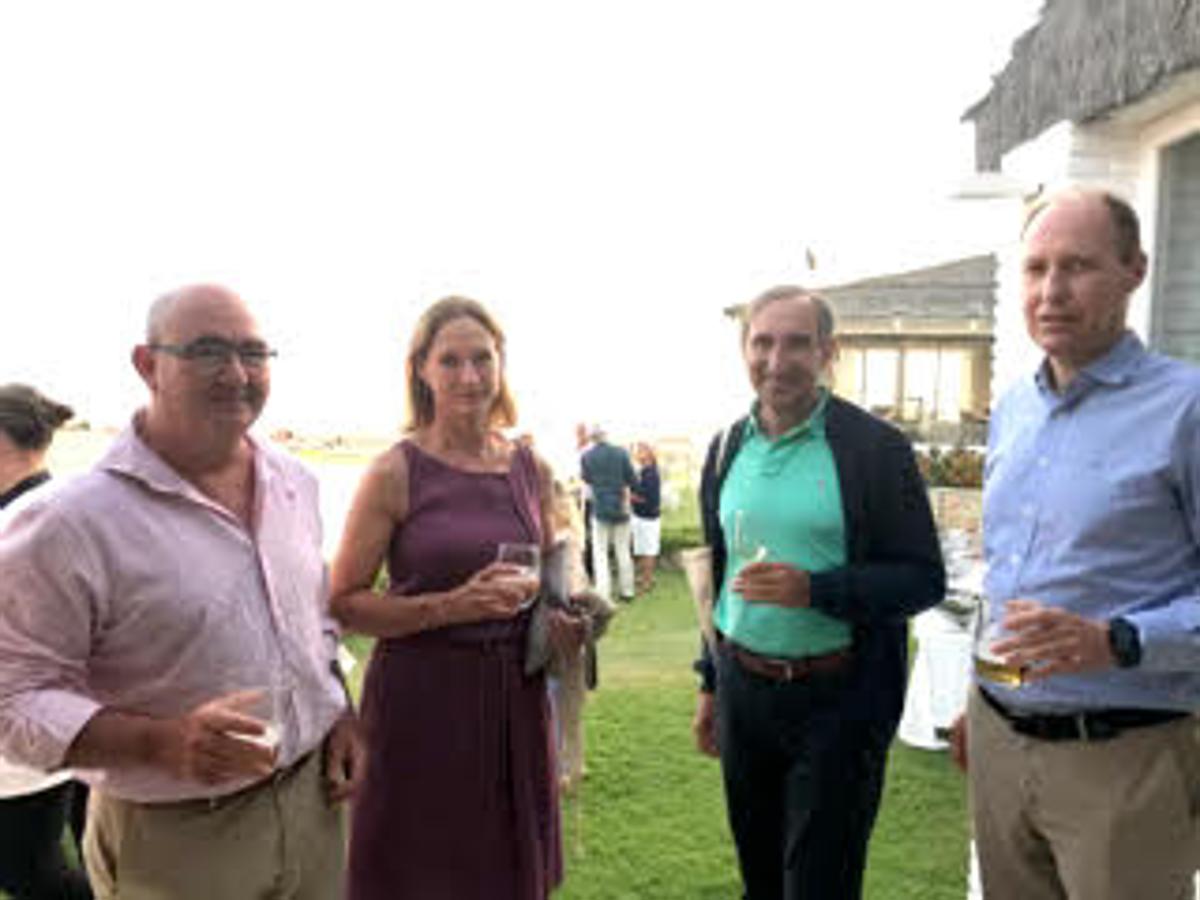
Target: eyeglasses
[213,354]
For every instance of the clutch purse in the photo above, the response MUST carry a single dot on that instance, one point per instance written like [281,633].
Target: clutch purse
[553,593]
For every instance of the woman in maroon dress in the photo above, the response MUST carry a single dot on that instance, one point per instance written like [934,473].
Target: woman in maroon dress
[459,799]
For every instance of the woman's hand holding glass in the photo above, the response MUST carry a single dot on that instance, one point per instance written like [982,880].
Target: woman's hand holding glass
[499,590]
[528,560]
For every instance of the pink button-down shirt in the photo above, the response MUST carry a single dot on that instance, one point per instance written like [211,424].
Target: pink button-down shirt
[128,588]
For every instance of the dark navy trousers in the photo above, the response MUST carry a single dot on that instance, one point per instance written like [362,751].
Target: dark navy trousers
[802,783]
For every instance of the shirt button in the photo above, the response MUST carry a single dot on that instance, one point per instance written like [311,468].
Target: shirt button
[1015,559]
[1043,462]
[1027,510]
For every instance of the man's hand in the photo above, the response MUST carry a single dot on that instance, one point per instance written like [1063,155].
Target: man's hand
[773,582]
[958,741]
[344,759]
[704,725]
[214,743]
[1049,641]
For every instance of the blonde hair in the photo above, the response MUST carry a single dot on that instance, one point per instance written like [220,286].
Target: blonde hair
[503,413]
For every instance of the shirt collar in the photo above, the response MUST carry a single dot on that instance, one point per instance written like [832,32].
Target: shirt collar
[132,457]
[813,426]
[1114,368]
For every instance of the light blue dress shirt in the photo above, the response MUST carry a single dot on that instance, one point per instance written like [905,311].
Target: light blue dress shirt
[1091,504]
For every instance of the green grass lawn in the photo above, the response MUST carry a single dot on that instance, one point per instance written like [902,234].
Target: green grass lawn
[652,822]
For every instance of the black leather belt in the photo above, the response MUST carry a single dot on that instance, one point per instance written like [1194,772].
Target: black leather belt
[1093,725]
[785,669]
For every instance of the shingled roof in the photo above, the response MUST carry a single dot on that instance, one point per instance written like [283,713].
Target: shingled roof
[1082,59]
[961,290]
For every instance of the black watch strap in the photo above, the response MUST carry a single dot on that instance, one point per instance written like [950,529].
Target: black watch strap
[1125,642]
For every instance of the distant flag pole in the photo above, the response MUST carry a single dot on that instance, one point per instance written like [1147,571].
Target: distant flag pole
[810,259]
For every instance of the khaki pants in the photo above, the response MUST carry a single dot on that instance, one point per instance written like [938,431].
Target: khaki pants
[279,840]
[1084,820]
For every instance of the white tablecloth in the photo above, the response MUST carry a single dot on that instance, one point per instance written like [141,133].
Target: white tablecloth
[941,674]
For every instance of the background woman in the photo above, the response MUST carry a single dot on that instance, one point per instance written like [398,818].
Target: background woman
[34,806]
[460,794]
[647,512]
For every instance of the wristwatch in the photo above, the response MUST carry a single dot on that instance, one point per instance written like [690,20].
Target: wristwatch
[1125,642]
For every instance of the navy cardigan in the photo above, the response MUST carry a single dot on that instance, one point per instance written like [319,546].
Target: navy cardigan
[894,561]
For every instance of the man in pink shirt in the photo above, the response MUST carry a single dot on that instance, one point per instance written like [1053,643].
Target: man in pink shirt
[163,625]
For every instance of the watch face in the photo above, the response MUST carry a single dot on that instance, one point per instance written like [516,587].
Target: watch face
[1123,638]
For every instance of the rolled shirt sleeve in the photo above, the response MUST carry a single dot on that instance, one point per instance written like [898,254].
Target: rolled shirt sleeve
[47,580]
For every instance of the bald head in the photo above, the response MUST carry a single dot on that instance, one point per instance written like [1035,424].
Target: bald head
[1123,220]
[206,365]
[165,311]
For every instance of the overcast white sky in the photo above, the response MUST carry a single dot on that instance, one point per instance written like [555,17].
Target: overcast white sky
[605,176]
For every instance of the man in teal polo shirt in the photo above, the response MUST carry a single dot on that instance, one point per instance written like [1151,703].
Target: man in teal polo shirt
[823,546]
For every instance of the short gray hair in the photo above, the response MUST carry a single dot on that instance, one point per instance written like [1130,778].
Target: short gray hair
[825,317]
[160,313]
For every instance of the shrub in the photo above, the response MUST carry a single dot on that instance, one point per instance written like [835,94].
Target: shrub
[957,467]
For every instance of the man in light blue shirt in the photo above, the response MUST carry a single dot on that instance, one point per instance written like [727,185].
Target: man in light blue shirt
[1085,776]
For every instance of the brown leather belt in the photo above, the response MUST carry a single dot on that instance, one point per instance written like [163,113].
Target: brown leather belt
[787,670]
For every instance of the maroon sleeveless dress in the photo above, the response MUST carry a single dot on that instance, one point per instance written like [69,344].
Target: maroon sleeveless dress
[460,798]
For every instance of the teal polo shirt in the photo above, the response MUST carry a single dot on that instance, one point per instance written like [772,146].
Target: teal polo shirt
[787,488]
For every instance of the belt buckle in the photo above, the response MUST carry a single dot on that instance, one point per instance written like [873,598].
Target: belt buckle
[789,670]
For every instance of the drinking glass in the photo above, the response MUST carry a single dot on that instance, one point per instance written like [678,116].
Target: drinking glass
[749,542]
[267,702]
[527,558]
[989,629]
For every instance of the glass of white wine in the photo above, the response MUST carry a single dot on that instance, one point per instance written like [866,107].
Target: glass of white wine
[989,629]
[527,558]
[749,542]
[267,702]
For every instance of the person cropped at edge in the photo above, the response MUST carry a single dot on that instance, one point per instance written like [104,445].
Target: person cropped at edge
[1086,780]
[34,806]
[144,603]
[646,523]
[460,795]
[807,684]
[608,472]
